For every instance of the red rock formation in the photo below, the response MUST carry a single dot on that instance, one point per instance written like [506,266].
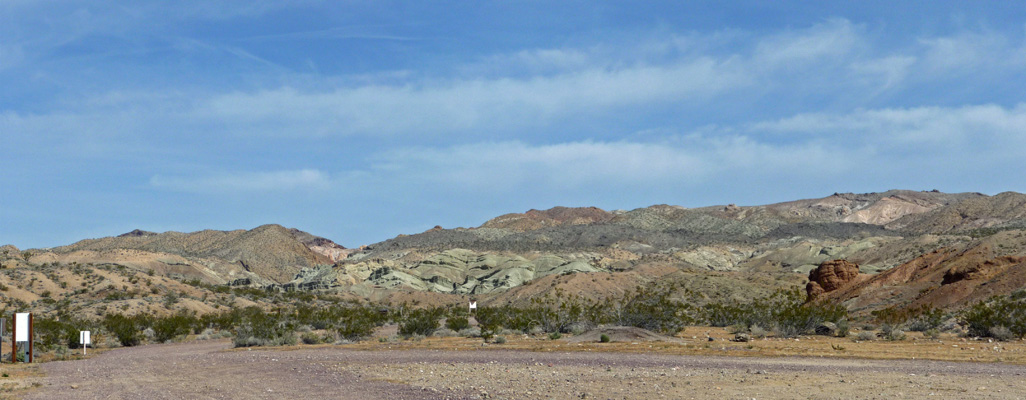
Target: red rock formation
[830,276]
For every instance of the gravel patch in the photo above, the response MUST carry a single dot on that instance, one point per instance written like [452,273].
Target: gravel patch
[211,370]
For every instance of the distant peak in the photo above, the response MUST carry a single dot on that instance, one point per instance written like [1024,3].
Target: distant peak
[138,233]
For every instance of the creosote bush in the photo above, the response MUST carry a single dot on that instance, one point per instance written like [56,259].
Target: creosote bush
[421,322]
[168,328]
[457,323]
[123,328]
[981,318]
[786,311]
[917,319]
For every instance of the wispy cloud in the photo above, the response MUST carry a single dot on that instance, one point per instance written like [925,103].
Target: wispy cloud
[337,33]
[275,181]
[969,52]
[832,40]
[934,131]
[543,86]
[461,105]
[883,147]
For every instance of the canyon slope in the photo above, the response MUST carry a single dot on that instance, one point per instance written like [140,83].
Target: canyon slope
[909,247]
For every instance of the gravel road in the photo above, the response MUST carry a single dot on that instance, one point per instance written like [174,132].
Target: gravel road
[205,370]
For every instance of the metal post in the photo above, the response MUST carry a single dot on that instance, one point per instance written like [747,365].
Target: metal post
[30,338]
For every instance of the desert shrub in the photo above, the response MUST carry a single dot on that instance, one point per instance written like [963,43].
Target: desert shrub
[757,332]
[420,322]
[500,340]
[556,312]
[445,332]
[892,332]
[208,334]
[737,314]
[916,319]
[261,329]
[926,318]
[604,338]
[470,332]
[932,333]
[457,323]
[792,316]
[148,334]
[866,336]
[310,338]
[122,327]
[1000,333]
[52,333]
[998,311]
[652,308]
[737,328]
[786,311]
[555,336]
[329,337]
[357,323]
[523,319]
[168,328]
[843,327]
[490,320]
[170,299]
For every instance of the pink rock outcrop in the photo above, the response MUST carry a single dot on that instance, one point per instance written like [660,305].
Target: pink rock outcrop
[830,276]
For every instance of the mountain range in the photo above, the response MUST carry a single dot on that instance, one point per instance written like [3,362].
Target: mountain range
[907,248]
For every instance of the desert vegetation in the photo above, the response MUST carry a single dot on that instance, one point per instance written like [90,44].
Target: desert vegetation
[1002,317]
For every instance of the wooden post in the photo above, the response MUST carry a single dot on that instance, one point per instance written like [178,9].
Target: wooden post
[14,338]
[30,339]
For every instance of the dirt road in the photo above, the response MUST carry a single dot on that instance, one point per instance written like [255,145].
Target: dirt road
[206,370]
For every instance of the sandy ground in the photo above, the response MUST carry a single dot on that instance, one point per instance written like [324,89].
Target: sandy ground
[212,370]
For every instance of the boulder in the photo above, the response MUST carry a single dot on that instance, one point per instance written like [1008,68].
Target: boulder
[830,276]
[827,329]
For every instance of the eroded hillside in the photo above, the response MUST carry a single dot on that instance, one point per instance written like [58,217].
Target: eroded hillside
[718,252]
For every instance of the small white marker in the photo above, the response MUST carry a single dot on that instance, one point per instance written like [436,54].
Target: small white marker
[84,340]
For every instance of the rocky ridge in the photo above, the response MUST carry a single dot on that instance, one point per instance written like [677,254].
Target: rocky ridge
[882,241]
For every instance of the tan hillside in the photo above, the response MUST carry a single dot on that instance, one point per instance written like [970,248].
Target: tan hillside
[537,219]
[269,251]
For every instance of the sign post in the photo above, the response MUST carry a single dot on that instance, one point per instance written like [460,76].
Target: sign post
[473,306]
[30,338]
[83,338]
[22,333]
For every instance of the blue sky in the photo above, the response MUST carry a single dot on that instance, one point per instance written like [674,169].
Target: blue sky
[360,120]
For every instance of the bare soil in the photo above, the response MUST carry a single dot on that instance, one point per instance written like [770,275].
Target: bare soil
[431,369]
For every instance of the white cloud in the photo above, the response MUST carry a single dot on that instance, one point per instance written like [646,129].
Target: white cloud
[829,41]
[938,131]
[883,148]
[512,167]
[457,105]
[888,71]
[969,52]
[276,181]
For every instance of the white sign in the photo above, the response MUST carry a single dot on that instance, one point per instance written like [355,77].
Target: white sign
[83,338]
[21,327]
[473,305]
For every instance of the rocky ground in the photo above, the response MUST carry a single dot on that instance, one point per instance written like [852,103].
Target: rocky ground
[211,370]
